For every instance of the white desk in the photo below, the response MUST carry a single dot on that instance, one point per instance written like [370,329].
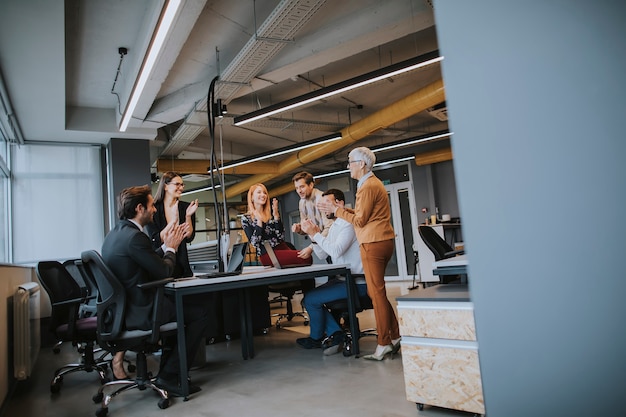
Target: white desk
[253,277]
[451,266]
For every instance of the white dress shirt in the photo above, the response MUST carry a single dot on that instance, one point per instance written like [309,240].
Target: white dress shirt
[341,245]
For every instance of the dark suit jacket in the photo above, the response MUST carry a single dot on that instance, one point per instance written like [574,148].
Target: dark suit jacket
[153,230]
[129,254]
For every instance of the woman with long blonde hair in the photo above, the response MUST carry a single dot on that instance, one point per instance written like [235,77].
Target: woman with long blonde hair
[262,223]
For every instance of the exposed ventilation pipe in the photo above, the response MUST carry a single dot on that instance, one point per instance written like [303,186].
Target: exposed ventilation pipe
[432,157]
[402,109]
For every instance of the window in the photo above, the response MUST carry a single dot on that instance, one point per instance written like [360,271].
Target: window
[57,206]
[4,204]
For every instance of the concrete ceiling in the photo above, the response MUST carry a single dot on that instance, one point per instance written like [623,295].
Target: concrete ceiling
[67,81]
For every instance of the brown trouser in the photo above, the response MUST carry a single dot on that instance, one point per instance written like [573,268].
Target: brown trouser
[375,256]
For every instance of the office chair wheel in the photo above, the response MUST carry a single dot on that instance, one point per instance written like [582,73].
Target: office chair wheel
[101,412]
[55,385]
[164,403]
[97,398]
[55,388]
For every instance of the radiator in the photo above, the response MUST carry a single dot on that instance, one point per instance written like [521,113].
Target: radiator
[26,333]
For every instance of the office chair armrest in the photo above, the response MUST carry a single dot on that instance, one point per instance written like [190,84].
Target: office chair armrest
[454,253]
[69,302]
[154,284]
[156,311]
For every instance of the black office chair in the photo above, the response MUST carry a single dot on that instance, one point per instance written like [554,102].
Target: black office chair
[286,293]
[88,288]
[439,247]
[339,310]
[89,309]
[67,298]
[113,336]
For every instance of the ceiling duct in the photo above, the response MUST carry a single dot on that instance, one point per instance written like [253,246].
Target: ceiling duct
[281,26]
[414,103]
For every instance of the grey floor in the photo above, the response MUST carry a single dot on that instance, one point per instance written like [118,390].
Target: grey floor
[282,380]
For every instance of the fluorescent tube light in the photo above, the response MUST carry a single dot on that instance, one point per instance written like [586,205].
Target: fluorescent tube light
[282,151]
[163,27]
[344,171]
[371,77]
[413,141]
[394,145]
[197,190]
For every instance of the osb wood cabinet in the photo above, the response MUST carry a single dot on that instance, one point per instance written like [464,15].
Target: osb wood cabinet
[439,349]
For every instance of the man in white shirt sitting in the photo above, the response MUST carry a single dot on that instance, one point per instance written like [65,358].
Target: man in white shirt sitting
[341,245]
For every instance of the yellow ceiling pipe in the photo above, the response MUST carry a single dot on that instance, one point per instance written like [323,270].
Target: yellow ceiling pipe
[282,189]
[414,103]
[431,157]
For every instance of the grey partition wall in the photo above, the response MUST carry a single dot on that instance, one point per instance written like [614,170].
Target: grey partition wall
[536,96]
[128,164]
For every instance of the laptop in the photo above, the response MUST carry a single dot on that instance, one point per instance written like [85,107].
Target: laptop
[270,252]
[235,263]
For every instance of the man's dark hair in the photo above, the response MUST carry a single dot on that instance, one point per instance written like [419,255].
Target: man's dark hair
[338,194]
[306,176]
[130,198]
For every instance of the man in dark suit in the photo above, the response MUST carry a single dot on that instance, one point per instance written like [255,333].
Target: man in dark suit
[128,252]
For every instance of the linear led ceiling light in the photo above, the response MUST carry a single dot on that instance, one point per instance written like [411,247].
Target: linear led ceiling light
[393,145]
[282,151]
[163,27]
[378,164]
[361,80]
[419,139]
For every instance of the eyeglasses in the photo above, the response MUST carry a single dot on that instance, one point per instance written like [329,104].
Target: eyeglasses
[178,184]
[351,162]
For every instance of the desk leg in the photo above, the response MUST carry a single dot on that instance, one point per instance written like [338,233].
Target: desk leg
[354,324]
[182,346]
[250,325]
[243,323]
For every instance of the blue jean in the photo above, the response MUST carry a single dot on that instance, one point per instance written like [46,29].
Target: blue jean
[321,321]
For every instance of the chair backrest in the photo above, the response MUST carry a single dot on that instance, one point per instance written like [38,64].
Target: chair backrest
[61,287]
[88,286]
[437,245]
[111,296]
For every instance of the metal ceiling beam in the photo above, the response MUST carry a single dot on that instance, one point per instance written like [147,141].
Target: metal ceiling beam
[280,27]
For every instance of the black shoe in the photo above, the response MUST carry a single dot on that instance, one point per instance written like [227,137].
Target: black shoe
[173,388]
[309,343]
[334,343]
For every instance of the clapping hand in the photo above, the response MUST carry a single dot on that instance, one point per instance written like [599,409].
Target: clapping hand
[275,211]
[175,235]
[191,210]
[326,205]
[309,227]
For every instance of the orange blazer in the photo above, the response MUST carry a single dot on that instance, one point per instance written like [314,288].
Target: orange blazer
[371,216]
